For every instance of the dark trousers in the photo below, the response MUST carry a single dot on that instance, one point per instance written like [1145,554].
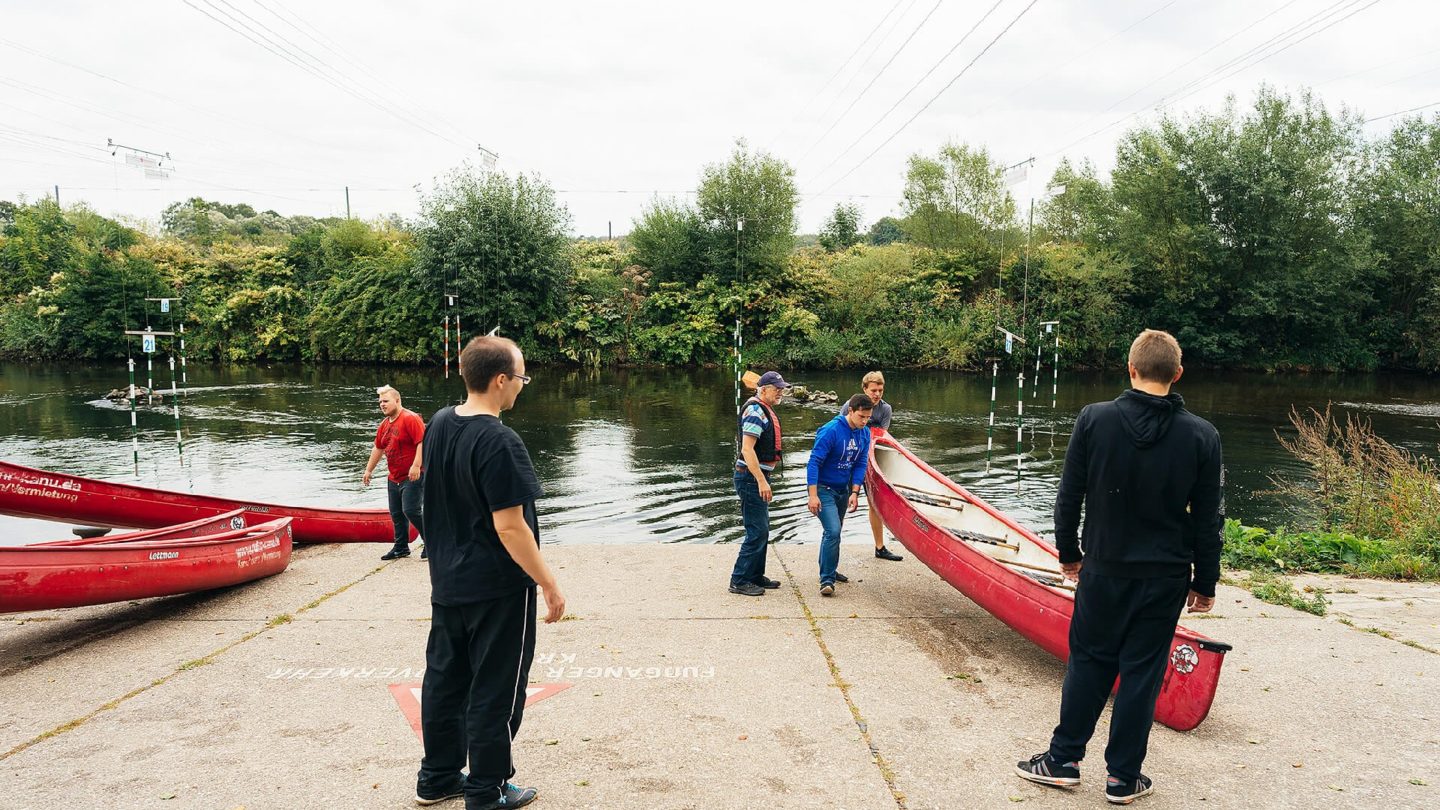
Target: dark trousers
[477,664]
[1121,627]
[755,514]
[405,510]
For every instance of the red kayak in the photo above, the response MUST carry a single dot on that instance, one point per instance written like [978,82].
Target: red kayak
[46,576]
[1006,569]
[28,492]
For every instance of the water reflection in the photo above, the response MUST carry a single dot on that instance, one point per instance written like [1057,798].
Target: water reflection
[631,456]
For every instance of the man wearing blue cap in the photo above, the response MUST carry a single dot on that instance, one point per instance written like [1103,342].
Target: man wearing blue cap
[759,435]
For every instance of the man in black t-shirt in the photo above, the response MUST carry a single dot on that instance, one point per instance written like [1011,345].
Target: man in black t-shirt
[485,564]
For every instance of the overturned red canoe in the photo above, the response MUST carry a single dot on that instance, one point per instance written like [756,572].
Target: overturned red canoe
[28,492]
[46,576]
[1009,571]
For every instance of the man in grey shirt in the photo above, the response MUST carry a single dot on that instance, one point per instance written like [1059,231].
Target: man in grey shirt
[873,384]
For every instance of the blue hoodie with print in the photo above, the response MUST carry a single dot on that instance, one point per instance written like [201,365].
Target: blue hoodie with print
[840,455]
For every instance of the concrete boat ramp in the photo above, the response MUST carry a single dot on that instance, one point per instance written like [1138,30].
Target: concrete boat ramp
[664,691]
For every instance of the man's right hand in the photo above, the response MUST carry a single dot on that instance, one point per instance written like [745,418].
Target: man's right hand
[554,604]
[1195,603]
[765,493]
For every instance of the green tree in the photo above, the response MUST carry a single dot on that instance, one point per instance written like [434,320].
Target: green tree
[1084,211]
[1244,226]
[842,229]
[669,240]
[1399,205]
[952,200]
[886,231]
[748,204]
[500,243]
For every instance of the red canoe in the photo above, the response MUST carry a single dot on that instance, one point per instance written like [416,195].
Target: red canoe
[1004,568]
[223,522]
[46,576]
[28,492]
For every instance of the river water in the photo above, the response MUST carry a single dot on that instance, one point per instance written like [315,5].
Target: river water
[641,456]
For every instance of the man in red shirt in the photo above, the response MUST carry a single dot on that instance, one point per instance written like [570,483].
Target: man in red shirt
[398,438]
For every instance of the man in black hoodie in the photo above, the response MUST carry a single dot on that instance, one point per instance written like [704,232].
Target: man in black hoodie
[1149,475]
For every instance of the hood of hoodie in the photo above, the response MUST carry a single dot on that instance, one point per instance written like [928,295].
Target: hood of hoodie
[1147,417]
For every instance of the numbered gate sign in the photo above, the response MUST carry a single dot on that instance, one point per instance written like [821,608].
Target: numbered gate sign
[1009,343]
[164,304]
[148,343]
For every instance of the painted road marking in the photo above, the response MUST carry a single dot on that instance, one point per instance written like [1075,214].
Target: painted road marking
[407,696]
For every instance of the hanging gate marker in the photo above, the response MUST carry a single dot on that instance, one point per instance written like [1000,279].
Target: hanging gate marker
[174,393]
[990,433]
[1010,340]
[148,345]
[1051,326]
[450,299]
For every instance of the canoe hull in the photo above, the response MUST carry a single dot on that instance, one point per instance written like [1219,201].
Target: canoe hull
[28,492]
[1038,612]
[44,577]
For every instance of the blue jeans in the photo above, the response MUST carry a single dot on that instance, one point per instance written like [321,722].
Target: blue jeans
[833,503]
[405,510]
[755,514]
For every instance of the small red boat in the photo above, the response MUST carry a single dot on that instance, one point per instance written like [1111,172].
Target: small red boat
[1006,569]
[223,522]
[71,574]
[28,492]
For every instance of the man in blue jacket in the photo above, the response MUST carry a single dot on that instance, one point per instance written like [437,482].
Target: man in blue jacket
[834,476]
[1149,475]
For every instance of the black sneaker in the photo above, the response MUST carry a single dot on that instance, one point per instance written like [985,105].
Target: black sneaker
[766,582]
[827,589]
[511,796]
[422,552]
[395,554]
[886,554]
[1045,771]
[744,589]
[1118,792]
[425,798]
[839,577]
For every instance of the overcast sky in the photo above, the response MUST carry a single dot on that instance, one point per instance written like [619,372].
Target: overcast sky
[614,102]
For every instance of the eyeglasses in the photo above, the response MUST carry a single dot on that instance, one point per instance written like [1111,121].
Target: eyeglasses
[521,377]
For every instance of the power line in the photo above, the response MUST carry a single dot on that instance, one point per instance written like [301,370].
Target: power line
[258,39]
[936,97]
[1294,29]
[873,79]
[333,47]
[1402,112]
[846,63]
[824,114]
[912,89]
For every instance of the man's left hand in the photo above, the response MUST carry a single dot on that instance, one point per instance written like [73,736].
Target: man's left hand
[414,473]
[1071,570]
[1195,603]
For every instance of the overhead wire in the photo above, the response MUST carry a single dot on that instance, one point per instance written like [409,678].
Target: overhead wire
[256,38]
[1172,97]
[291,19]
[873,79]
[935,97]
[805,108]
[912,89]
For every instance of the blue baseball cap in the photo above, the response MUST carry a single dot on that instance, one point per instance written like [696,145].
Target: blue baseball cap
[773,378]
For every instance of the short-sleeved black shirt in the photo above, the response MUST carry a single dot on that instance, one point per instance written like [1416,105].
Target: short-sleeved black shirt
[474,466]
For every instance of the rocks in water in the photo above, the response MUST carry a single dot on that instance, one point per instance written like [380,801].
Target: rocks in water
[143,395]
[800,393]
